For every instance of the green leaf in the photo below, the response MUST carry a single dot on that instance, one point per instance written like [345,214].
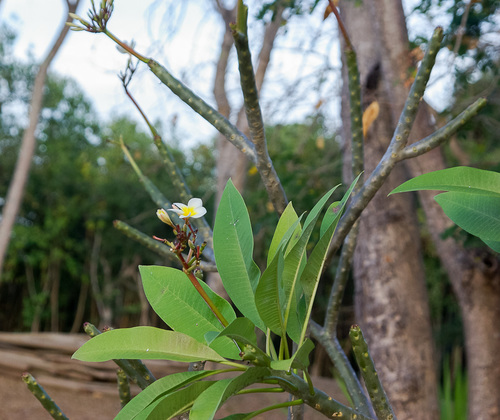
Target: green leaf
[144,343]
[294,263]
[174,298]
[242,330]
[312,272]
[174,404]
[233,249]
[159,388]
[459,179]
[300,359]
[269,295]
[209,401]
[476,214]
[287,220]
[494,245]
[330,216]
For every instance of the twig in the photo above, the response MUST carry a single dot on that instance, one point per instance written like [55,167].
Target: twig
[379,399]
[174,173]
[253,112]
[443,134]
[216,119]
[44,398]
[331,344]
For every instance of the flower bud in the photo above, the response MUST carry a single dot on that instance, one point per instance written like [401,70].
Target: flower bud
[164,217]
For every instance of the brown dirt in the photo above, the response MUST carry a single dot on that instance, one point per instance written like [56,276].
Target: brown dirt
[17,403]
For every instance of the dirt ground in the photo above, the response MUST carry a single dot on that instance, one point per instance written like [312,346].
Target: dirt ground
[17,403]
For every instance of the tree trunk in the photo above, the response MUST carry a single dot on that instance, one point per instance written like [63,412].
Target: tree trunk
[475,277]
[21,172]
[391,298]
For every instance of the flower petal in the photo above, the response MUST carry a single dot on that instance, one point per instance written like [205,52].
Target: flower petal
[200,212]
[195,202]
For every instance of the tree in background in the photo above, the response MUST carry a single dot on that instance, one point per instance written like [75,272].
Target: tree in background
[20,176]
[385,48]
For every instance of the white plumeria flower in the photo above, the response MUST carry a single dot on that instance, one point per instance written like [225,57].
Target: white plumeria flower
[194,209]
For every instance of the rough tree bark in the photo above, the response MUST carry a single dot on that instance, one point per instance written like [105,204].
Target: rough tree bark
[475,277]
[28,143]
[391,298]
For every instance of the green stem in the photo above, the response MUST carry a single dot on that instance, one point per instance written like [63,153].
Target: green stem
[123,387]
[216,119]
[379,399]
[127,48]
[253,112]
[174,173]
[202,292]
[334,350]
[273,407]
[258,390]
[44,398]
[444,133]
[155,194]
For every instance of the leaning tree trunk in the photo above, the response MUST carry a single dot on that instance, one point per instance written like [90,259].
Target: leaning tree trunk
[391,298]
[475,277]
[23,165]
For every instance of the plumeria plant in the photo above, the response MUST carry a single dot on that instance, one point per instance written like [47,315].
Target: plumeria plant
[276,307]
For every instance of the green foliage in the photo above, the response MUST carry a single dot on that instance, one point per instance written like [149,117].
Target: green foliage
[198,330]
[472,199]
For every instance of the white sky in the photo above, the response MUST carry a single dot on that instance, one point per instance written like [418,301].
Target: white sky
[183,37]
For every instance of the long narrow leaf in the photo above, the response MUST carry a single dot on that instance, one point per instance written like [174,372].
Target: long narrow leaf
[459,179]
[145,343]
[209,401]
[269,295]
[293,265]
[175,403]
[158,389]
[287,220]
[233,249]
[314,267]
[476,214]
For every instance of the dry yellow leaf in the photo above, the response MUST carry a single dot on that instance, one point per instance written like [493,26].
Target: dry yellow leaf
[370,115]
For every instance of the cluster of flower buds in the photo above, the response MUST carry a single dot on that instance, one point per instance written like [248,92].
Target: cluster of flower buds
[98,18]
[185,236]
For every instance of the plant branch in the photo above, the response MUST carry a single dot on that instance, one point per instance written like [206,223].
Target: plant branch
[443,134]
[398,141]
[319,400]
[174,173]
[253,112]
[44,398]
[123,387]
[216,119]
[331,344]
[379,399]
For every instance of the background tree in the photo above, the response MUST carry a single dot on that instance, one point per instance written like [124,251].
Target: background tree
[26,151]
[473,283]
